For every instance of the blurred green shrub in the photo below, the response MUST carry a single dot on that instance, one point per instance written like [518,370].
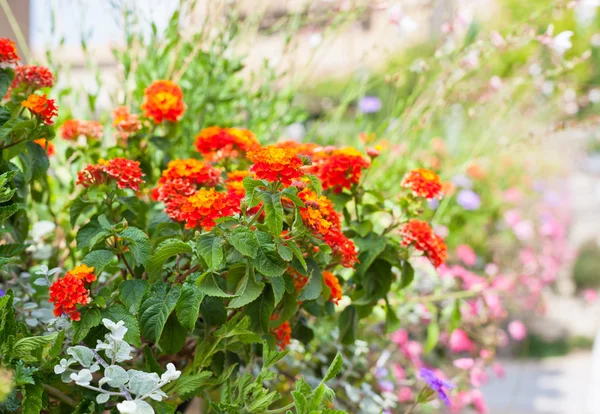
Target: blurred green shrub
[586,272]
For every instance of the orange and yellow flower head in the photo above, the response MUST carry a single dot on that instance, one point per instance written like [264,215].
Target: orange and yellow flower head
[69,291]
[125,123]
[333,283]
[216,143]
[8,52]
[193,170]
[47,145]
[276,164]
[163,101]
[41,107]
[33,77]
[419,234]
[72,129]
[126,173]
[423,183]
[340,169]
[206,206]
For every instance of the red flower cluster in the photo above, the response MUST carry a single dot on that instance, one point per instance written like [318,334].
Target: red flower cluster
[423,183]
[304,148]
[163,101]
[320,216]
[8,52]
[180,181]
[340,168]
[419,234]
[69,291]
[206,206]
[41,107]
[283,335]
[126,173]
[298,278]
[334,285]
[32,77]
[72,129]
[125,122]
[217,143]
[46,145]
[276,164]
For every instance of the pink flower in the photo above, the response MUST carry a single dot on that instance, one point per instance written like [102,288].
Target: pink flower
[494,305]
[524,230]
[495,83]
[491,269]
[512,195]
[478,376]
[478,402]
[512,217]
[499,370]
[466,254]
[400,337]
[399,372]
[497,40]
[517,330]
[464,363]
[413,350]
[460,342]
[590,295]
[485,353]
[405,394]
[460,401]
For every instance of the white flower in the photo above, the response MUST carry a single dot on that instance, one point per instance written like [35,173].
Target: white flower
[61,367]
[40,229]
[84,377]
[127,407]
[118,330]
[315,40]
[594,95]
[562,42]
[171,374]
[495,83]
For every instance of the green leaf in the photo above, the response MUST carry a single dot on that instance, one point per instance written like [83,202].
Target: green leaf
[138,244]
[25,346]
[6,194]
[117,312]
[392,323]
[6,77]
[284,251]
[269,263]
[433,335]
[210,248]
[156,308]
[335,368]
[90,318]
[7,211]
[273,212]
[90,233]
[32,398]
[163,252]
[188,305]
[213,311]
[407,275]
[278,288]
[98,259]
[293,246]
[250,185]
[131,293]
[315,184]
[244,241]
[260,311]
[291,193]
[188,385]
[370,247]
[173,336]
[348,324]
[314,287]
[38,159]
[23,374]
[248,291]
[209,286]
[78,207]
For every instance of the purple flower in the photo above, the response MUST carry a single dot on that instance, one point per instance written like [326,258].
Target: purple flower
[369,104]
[462,180]
[433,204]
[468,199]
[386,385]
[437,384]
[2,292]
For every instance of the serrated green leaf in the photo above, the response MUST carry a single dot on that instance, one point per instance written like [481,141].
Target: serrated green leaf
[210,247]
[188,305]
[248,291]
[291,193]
[244,241]
[209,286]
[269,263]
[25,346]
[98,259]
[188,385]
[313,288]
[250,185]
[78,207]
[32,398]
[38,159]
[407,275]
[293,246]
[6,77]
[7,211]
[156,308]
[278,288]
[261,309]
[173,336]
[315,183]
[348,324]
[138,243]
[163,252]
[273,212]
[131,293]
[90,318]
[335,368]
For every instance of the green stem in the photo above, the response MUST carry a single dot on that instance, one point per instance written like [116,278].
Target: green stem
[256,216]
[280,410]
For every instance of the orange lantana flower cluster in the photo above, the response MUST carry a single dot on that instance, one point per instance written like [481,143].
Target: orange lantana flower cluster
[126,173]
[33,77]
[283,335]
[320,216]
[276,164]
[340,169]
[8,52]
[47,145]
[181,180]
[163,101]
[125,122]
[423,183]
[333,283]
[72,129]
[41,107]
[70,290]
[298,278]
[206,206]
[420,235]
[216,143]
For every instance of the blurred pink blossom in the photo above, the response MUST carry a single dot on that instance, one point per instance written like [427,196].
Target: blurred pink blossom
[497,40]
[405,394]
[400,337]
[399,372]
[512,195]
[466,254]
[478,376]
[517,330]
[590,295]
[460,341]
[478,402]
[464,363]
[499,370]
